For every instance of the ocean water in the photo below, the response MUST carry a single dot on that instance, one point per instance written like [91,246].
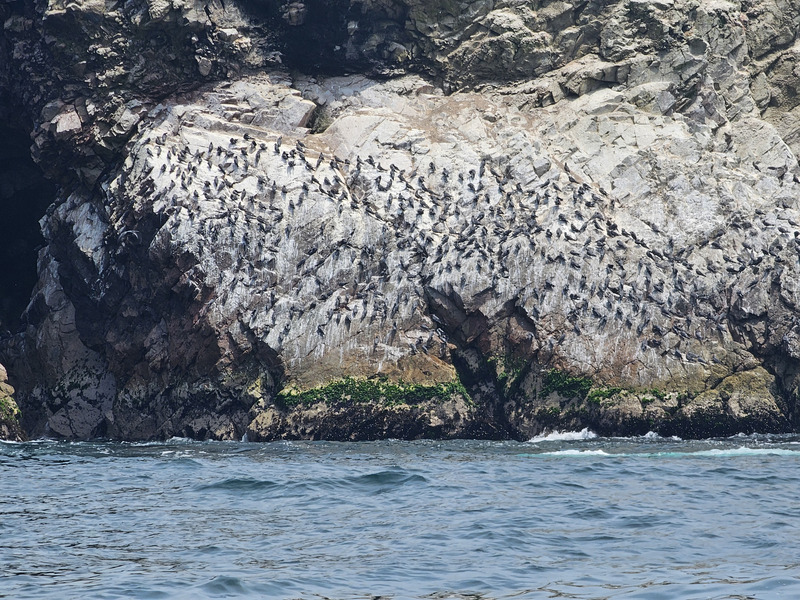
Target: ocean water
[562,516]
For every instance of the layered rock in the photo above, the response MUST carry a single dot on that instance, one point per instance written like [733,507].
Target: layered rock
[549,215]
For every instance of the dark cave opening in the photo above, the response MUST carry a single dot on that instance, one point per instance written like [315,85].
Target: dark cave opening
[25,194]
[321,41]
[318,45]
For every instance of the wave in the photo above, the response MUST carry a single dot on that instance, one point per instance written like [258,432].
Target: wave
[565,436]
[652,435]
[744,451]
[240,485]
[572,452]
[180,440]
[711,453]
[379,480]
[383,478]
[225,586]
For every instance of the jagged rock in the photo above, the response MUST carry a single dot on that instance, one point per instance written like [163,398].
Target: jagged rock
[9,412]
[603,195]
[345,421]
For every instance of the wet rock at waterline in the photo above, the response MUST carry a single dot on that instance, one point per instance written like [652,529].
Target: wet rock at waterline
[463,223]
[9,411]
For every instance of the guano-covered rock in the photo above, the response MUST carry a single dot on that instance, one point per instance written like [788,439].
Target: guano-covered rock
[409,219]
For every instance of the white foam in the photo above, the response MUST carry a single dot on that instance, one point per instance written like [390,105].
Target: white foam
[573,452]
[744,451]
[652,435]
[168,442]
[566,436]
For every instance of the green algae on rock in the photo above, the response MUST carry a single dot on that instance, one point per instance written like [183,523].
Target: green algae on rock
[742,403]
[9,411]
[358,390]
[363,409]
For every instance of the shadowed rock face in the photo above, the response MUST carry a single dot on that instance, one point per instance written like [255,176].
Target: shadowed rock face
[587,214]
[24,195]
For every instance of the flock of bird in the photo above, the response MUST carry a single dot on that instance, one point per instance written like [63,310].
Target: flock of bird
[301,244]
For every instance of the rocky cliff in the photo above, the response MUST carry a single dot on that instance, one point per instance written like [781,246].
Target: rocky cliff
[393,218]
[9,411]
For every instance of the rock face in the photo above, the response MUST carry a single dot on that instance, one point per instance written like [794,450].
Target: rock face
[9,412]
[444,219]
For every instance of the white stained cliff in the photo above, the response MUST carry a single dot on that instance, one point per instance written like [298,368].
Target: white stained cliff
[627,213]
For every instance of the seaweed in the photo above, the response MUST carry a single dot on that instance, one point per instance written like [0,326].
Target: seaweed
[354,390]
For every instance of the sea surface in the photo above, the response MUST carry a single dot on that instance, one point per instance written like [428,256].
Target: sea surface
[562,516]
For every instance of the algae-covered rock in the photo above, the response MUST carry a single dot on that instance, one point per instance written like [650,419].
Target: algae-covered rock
[361,409]
[744,402]
[9,411]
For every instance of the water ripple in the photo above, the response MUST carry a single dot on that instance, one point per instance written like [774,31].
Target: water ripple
[567,515]
[239,485]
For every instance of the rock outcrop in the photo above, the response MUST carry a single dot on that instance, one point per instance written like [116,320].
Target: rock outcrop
[9,411]
[401,219]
